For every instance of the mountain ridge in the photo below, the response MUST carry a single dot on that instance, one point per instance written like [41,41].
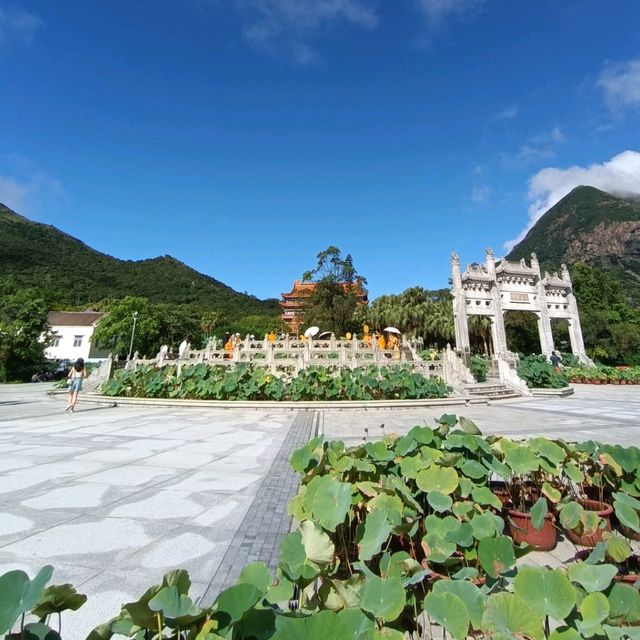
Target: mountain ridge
[38,254]
[592,226]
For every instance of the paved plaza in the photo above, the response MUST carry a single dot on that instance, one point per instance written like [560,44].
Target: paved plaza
[115,496]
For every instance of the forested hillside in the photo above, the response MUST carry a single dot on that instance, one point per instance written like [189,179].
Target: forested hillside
[73,274]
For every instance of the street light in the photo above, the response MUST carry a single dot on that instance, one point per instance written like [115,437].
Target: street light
[133,333]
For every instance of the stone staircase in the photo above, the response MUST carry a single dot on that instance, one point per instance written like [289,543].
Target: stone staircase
[490,390]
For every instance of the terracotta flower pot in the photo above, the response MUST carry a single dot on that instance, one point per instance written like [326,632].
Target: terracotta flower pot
[604,511]
[521,530]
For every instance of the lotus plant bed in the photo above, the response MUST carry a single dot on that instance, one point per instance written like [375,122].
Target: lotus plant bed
[603,375]
[412,537]
[250,382]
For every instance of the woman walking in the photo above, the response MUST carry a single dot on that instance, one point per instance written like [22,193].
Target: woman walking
[75,377]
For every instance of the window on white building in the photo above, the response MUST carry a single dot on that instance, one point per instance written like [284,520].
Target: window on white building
[77,341]
[55,341]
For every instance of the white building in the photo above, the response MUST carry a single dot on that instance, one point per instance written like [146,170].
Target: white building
[72,332]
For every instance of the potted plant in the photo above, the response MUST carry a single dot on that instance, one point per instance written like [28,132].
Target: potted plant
[532,466]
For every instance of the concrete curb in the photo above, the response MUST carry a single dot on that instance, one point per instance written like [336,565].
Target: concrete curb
[552,393]
[291,406]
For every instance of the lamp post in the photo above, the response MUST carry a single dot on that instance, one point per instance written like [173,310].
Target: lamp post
[133,333]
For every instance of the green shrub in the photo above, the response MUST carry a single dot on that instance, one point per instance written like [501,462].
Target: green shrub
[250,382]
[479,367]
[539,373]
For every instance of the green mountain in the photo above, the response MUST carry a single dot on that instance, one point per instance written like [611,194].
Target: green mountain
[74,274]
[591,226]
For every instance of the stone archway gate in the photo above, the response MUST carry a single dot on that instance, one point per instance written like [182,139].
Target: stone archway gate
[495,287]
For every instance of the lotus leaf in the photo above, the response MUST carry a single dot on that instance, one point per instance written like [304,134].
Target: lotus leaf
[468,426]
[174,604]
[471,596]
[386,633]
[441,479]
[38,631]
[410,466]
[340,594]
[594,609]
[19,595]
[521,459]
[281,591]
[618,548]
[592,577]
[624,604]
[258,575]
[437,548]
[571,515]
[538,512]
[486,525]
[378,451]
[450,612]
[391,504]
[355,622]
[462,535]
[293,558]
[422,435]
[548,591]
[486,497]
[627,515]
[376,530]
[58,598]
[319,626]
[508,616]
[551,492]
[384,598]
[473,469]
[317,544]
[235,601]
[496,555]
[405,445]
[330,502]
[439,502]
[565,633]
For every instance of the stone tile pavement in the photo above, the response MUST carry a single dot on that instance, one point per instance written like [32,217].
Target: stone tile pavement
[606,412]
[115,496]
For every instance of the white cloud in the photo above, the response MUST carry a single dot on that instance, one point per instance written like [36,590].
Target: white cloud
[437,11]
[621,85]
[480,194]
[27,193]
[274,25]
[537,148]
[620,175]
[18,26]
[508,113]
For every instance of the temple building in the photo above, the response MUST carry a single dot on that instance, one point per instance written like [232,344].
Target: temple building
[293,303]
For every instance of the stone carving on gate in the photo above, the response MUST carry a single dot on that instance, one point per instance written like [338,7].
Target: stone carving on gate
[497,286]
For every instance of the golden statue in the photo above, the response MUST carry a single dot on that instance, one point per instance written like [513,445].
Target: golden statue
[366,338]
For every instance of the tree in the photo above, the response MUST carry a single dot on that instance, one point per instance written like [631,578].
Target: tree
[115,330]
[23,332]
[610,327]
[333,302]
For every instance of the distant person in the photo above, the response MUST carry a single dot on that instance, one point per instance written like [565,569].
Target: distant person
[556,361]
[75,377]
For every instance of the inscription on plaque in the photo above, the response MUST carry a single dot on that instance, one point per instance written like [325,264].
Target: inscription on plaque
[519,297]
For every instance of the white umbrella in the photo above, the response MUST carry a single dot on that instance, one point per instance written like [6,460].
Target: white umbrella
[393,330]
[311,331]
[324,334]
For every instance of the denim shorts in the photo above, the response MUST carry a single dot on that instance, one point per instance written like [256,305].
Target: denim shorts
[75,385]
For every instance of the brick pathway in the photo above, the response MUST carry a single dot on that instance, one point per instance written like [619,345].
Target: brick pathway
[259,535]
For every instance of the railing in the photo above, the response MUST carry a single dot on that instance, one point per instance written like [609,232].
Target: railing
[294,354]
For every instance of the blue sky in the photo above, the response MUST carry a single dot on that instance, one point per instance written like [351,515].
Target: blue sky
[245,136]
